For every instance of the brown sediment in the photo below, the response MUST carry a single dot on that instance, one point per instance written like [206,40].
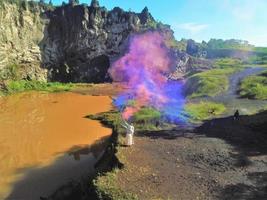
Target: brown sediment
[37,129]
[107,89]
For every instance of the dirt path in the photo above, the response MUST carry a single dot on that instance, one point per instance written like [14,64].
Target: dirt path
[231,99]
[237,77]
[223,159]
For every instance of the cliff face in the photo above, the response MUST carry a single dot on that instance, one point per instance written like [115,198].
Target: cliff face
[81,41]
[70,43]
[21,30]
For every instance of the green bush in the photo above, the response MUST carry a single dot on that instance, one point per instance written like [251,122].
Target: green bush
[204,110]
[254,87]
[147,115]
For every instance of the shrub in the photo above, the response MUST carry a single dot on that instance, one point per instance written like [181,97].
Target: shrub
[204,110]
[147,115]
[254,87]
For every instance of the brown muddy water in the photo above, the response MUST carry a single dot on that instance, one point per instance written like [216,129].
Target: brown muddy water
[46,141]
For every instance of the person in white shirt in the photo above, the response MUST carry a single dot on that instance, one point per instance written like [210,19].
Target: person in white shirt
[129,133]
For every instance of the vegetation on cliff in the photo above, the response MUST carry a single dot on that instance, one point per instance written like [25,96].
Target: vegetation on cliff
[254,87]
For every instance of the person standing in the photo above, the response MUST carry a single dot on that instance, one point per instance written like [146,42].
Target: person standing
[236,115]
[129,133]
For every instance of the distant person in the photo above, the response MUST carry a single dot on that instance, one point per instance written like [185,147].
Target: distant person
[236,115]
[129,133]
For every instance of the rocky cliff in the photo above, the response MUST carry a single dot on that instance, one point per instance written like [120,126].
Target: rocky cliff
[82,40]
[21,30]
[70,43]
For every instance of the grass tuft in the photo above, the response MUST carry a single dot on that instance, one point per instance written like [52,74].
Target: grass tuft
[107,187]
[204,110]
[23,85]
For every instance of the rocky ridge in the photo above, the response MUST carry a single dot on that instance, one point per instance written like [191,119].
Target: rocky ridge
[72,42]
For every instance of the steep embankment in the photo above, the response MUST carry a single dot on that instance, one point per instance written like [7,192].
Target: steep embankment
[21,31]
[75,43]
[82,40]
[67,43]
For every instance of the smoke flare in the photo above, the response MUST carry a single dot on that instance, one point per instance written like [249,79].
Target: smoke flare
[143,72]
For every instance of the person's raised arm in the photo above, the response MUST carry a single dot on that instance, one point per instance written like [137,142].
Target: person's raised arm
[123,125]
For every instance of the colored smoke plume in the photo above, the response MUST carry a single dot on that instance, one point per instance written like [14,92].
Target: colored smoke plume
[142,70]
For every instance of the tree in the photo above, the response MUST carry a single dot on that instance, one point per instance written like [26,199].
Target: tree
[50,3]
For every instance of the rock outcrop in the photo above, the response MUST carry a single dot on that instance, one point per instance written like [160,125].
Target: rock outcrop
[21,30]
[187,65]
[82,40]
[72,42]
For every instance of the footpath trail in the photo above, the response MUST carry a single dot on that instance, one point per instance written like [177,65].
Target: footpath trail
[222,159]
[231,99]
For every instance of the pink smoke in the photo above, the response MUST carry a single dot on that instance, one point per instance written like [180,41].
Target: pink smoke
[143,71]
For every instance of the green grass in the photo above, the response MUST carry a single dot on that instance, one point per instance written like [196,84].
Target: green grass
[204,110]
[260,49]
[111,119]
[209,83]
[108,188]
[146,115]
[23,85]
[254,87]
[147,119]
[106,184]
[227,62]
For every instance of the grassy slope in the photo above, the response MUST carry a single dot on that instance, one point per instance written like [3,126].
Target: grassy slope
[209,83]
[254,87]
[21,86]
[227,62]
[204,110]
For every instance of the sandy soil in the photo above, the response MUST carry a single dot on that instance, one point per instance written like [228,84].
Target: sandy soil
[222,159]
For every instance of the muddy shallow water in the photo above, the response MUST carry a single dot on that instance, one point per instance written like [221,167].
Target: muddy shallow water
[40,138]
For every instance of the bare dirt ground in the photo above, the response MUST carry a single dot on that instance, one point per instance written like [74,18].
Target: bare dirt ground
[105,89]
[222,159]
